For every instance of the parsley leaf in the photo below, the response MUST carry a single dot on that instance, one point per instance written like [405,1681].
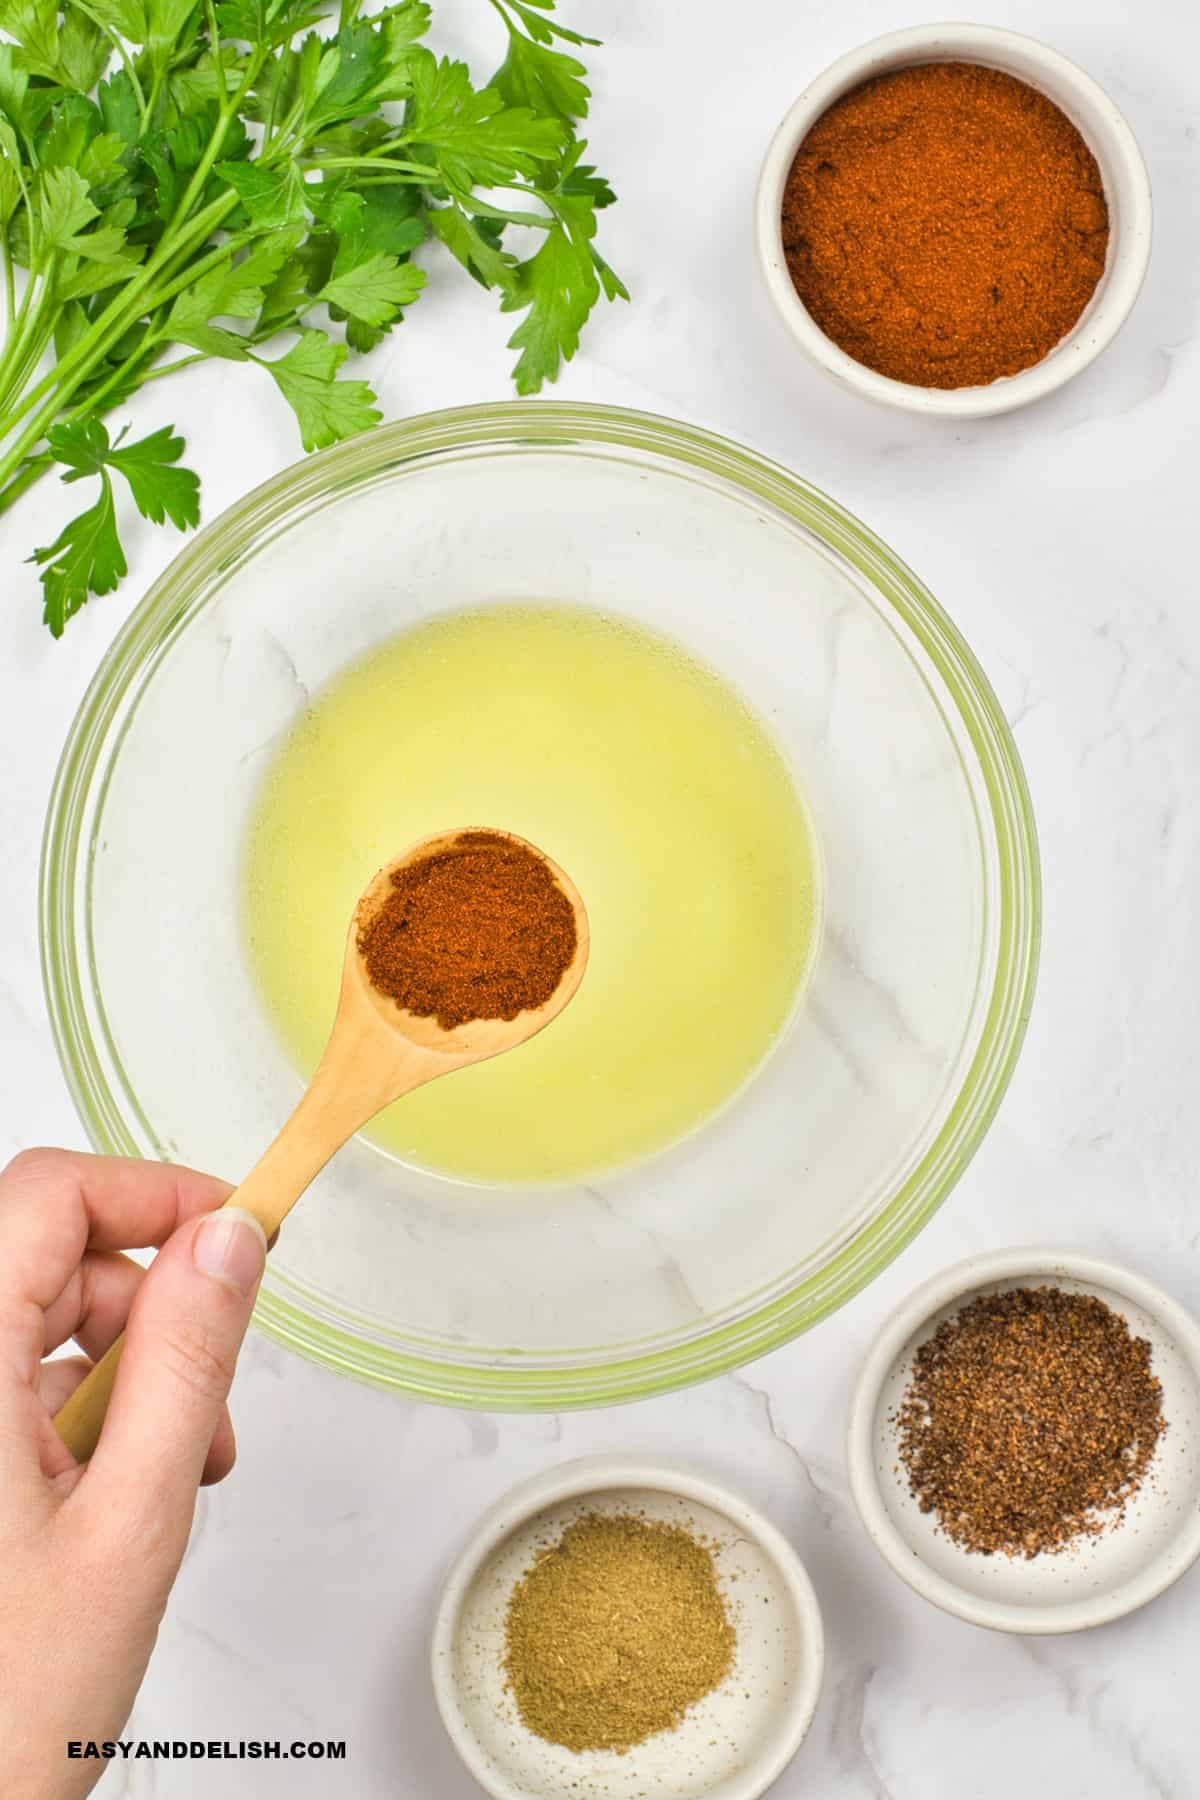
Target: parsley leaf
[327,409]
[357,75]
[477,249]
[83,51]
[102,266]
[117,100]
[10,187]
[476,137]
[558,286]
[65,208]
[160,489]
[235,289]
[545,80]
[126,17]
[81,445]
[379,218]
[374,290]
[14,85]
[85,558]
[543,29]
[270,196]
[34,25]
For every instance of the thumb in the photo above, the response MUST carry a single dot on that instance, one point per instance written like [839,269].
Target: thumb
[182,1339]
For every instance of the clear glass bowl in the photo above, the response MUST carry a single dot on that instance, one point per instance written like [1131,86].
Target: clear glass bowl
[870,1106]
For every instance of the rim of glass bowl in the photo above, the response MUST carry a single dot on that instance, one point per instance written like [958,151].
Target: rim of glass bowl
[170,603]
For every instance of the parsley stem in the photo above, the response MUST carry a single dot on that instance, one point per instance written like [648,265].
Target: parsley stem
[131,378]
[27,338]
[31,218]
[226,111]
[156,89]
[30,471]
[472,203]
[367,181]
[275,136]
[113,321]
[117,318]
[66,389]
[214,39]
[95,401]
[61,382]
[421,171]
[292,322]
[159,336]
[18,313]
[195,270]
[168,368]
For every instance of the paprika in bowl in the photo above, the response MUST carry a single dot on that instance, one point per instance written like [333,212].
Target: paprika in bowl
[515,1293]
[954,219]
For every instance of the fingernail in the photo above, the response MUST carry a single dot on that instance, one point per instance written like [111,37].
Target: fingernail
[231,1246]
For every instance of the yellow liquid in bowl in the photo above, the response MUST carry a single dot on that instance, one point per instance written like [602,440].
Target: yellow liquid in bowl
[647,778]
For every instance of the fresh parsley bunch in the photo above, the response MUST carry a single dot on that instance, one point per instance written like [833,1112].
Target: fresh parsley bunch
[185,179]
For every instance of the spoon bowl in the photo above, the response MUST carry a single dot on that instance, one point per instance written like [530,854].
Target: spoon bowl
[477,1039]
[377,1052]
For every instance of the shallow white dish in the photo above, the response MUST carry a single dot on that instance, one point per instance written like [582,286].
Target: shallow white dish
[1092,1581]
[732,1745]
[1108,136]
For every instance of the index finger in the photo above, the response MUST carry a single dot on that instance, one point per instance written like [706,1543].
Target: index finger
[55,1204]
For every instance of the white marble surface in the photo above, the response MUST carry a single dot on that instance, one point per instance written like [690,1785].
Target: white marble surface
[1063,541]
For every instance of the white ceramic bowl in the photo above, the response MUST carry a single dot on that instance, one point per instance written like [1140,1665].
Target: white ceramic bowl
[733,1744]
[1092,1580]
[1126,185]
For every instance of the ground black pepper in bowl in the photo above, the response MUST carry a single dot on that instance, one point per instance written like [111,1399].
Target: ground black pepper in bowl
[1030,1420]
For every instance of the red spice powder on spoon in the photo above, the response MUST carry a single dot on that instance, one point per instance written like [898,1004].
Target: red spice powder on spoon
[479,930]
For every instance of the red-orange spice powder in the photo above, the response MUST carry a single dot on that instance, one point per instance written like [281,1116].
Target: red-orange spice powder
[478,930]
[945,224]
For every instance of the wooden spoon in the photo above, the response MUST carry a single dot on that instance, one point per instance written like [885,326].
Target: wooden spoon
[376,1053]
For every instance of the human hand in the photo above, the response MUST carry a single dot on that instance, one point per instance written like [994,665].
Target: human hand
[88,1554]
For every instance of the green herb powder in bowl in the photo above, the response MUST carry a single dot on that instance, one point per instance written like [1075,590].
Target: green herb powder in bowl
[615,1631]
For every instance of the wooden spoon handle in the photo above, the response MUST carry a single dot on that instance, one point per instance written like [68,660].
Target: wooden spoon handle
[78,1421]
[365,1067]
[321,1124]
